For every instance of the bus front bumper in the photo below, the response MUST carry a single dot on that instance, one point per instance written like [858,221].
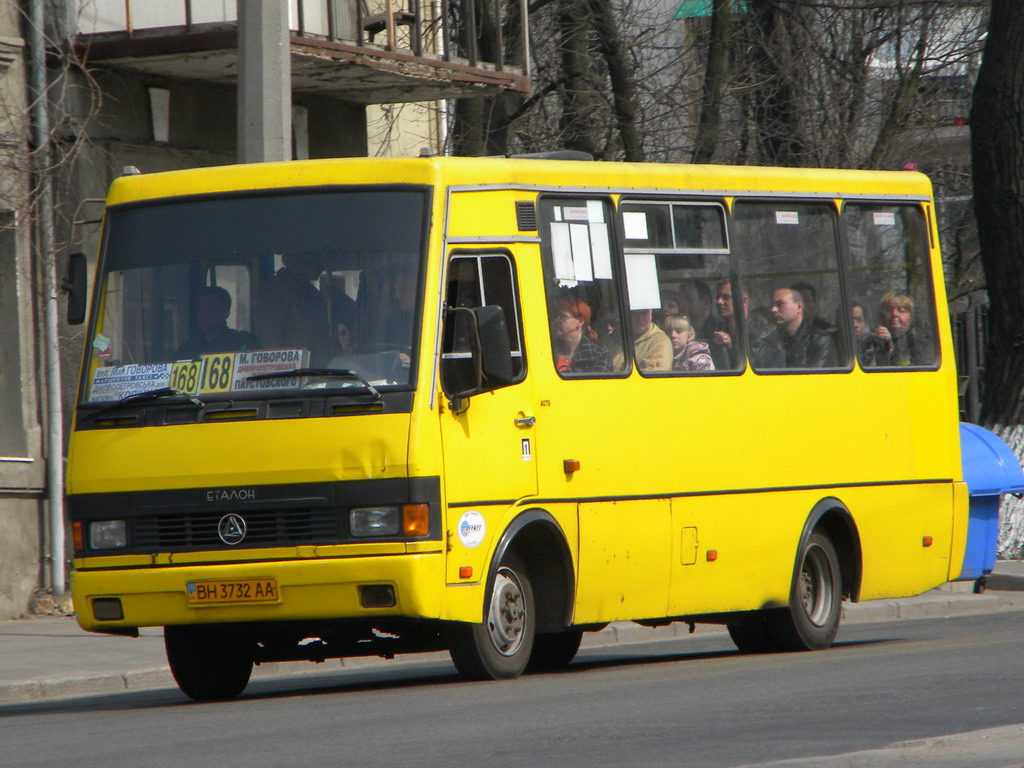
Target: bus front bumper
[115,600]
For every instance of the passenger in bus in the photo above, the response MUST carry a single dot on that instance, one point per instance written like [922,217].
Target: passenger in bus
[576,350]
[652,347]
[609,336]
[213,305]
[896,341]
[724,342]
[671,304]
[812,314]
[695,296]
[794,342]
[859,322]
[344,317]
[292,312]
[688,354]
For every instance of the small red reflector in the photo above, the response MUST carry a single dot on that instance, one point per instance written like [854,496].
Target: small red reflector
[466,572]
[712,555]
[926,541]
[570,465]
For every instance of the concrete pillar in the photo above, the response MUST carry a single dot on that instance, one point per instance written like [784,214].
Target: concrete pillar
[264,82]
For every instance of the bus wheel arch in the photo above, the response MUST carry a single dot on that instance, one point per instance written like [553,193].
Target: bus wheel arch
[529,595]
[539,541]
[832,517]
[827,567]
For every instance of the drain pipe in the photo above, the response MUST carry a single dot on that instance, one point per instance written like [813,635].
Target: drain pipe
[51,328]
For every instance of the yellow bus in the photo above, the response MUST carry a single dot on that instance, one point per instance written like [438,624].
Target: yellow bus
[353,407]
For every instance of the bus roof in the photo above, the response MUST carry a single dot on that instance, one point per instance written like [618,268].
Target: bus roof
[481,172]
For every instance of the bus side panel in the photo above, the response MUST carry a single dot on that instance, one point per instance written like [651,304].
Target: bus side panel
[716,570]
[910,536]
[624,560]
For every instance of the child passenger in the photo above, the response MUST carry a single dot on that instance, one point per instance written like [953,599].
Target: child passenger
[687,353]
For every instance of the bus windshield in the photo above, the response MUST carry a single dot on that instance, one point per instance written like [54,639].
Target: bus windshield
[211,296]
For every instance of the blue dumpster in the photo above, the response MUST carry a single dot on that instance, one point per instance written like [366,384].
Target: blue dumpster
[990,470]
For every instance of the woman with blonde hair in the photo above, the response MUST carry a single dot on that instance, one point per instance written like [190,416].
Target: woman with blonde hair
[687,353]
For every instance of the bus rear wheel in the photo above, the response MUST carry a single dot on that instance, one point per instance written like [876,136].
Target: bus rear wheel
[815,603]
[500,647]
[209,662]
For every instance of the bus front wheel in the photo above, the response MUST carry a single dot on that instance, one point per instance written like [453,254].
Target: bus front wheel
[209,662]
[815,604]
[500,647]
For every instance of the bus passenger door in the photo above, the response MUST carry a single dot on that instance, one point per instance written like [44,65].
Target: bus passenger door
[488,439]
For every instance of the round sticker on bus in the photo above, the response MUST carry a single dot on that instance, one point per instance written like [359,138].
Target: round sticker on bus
[472,529]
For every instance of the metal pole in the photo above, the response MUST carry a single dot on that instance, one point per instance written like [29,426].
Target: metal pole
[51,333]
[264,81]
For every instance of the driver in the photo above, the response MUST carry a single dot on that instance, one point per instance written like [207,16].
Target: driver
[212,334]
[292,312]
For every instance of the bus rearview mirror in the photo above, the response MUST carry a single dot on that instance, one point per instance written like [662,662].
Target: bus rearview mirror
[76,285]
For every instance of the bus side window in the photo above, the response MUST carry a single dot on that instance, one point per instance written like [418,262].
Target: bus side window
[789,257]
[584,309]
[890,281]
[677,261]
[478,280]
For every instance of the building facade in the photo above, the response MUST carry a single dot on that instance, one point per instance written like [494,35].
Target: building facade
[155,86]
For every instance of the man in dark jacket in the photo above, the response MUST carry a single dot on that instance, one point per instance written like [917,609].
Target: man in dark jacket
[793,343]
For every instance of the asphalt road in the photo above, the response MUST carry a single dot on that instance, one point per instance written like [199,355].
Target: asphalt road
[688,702]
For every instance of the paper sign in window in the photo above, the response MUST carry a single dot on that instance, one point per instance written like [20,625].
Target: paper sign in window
[561,251]
[787,217]
[579,237]
[884,218]
[642,281]
[600,251]
[634,224]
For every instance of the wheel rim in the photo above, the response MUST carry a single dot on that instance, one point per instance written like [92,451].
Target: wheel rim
[816,586]
[506,619]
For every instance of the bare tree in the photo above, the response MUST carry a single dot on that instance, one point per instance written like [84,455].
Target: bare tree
[997,142]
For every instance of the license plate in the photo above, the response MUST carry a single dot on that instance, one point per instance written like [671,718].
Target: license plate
[234,591]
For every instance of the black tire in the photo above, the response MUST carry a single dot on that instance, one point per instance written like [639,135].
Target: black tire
[500,647]
[812,619]
[209,663]
[554,651]
[753,635]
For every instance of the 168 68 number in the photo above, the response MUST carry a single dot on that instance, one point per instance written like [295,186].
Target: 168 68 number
[210,374]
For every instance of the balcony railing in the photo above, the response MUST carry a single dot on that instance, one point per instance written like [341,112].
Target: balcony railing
[433,29]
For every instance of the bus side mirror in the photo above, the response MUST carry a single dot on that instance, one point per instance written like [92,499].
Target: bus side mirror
[76,285]
[476,355]
[495,349]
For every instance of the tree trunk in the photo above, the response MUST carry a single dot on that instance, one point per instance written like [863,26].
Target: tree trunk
[997,144]
[715,77]
[776,108]
[623,90]
[578,99]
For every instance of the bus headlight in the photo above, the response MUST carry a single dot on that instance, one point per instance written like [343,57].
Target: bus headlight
[107,534]
[374,521]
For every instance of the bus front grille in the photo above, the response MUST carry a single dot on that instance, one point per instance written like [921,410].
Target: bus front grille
[268,528]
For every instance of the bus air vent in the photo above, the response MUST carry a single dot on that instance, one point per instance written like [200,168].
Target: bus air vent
[526,216]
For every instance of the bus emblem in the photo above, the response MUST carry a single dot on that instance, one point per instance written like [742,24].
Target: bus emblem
[231,529]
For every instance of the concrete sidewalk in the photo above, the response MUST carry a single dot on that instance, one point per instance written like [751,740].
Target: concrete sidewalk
[50,657]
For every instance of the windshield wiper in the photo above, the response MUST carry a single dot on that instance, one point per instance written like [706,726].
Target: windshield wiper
[343,373]
[145,397]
